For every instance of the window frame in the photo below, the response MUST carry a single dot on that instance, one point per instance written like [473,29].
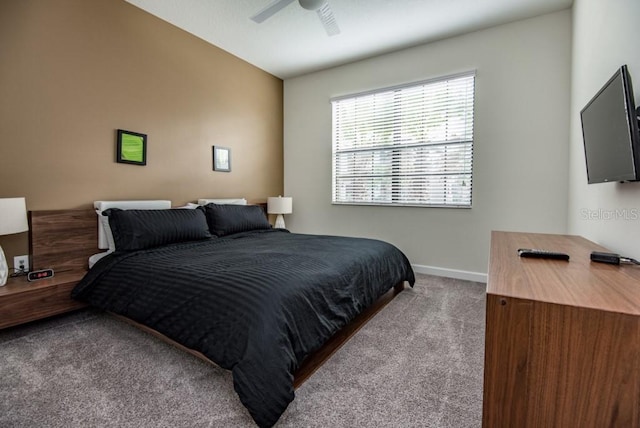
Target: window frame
[396,156]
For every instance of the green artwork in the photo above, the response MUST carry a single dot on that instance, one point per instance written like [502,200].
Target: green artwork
[132,148]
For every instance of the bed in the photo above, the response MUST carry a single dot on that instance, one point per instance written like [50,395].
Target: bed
[219,281]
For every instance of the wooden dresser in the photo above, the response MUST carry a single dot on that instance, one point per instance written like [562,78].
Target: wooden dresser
[562,338]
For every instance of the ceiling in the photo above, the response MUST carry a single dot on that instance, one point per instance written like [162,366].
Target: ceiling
[293,41]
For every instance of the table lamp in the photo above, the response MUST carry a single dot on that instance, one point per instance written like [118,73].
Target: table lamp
[13,219]
[279,205]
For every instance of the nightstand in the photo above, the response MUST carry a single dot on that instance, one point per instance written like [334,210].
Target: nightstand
[22,301]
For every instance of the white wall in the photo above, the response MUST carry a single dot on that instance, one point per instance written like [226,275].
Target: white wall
[520,149]
[606,35]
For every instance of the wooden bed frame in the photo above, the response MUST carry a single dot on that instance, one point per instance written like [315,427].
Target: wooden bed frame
[64,240]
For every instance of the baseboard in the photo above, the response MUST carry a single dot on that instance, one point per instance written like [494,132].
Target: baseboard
[451,273]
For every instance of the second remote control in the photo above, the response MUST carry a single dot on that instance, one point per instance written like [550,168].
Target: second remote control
[542,254]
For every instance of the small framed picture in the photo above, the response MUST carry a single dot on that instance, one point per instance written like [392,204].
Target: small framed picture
[131,147]
[221,159]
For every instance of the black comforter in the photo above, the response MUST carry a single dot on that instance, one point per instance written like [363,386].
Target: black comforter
[256,303]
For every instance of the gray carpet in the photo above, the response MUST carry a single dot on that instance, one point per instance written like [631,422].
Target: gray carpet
[418,363]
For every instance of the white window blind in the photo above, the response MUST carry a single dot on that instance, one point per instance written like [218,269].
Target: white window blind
[406,145]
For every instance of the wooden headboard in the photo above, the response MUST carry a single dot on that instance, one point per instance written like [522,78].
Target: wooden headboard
[62,239]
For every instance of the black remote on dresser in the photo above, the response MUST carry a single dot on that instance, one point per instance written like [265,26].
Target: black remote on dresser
[542,254]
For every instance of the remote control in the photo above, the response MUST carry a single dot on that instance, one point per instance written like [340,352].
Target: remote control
[542,254]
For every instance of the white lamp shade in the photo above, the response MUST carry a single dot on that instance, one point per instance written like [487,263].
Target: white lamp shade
[13,216]
[311,4]
[279,205]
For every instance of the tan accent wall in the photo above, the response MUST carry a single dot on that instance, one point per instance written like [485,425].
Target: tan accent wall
[74,71]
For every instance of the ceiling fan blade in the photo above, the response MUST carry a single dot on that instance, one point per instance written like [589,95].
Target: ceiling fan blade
[271,10]
[328,20]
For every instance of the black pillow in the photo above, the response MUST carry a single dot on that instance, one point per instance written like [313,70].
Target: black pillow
[227,219]
[140,229]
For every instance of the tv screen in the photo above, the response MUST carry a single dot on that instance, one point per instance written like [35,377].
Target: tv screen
[610,132]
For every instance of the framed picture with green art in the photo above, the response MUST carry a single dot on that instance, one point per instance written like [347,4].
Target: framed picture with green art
[131,147]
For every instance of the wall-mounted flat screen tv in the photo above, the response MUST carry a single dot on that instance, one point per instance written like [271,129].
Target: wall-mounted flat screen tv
[610,132]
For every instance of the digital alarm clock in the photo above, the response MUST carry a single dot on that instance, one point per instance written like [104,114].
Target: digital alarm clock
[39,274]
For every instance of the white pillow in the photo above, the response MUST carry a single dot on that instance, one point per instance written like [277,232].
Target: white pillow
[104,221]
[94,259]
[188,206]
[233,201]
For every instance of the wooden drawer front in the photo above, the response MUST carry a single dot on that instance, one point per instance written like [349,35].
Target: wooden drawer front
[506,361]
[29,305]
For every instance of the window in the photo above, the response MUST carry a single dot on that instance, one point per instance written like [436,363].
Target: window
[406,145]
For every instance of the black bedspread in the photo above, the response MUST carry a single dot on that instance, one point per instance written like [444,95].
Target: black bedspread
[255,303]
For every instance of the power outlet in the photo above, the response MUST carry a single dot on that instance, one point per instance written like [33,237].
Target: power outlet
[21,263]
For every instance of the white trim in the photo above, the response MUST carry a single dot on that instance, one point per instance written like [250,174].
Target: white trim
[451,273]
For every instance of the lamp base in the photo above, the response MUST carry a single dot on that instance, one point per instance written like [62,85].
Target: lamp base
[4,269]
[279,222]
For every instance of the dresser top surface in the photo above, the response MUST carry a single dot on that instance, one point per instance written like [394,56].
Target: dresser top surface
[578,282]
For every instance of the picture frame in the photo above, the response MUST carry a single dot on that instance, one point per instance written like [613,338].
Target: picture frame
[221,159]
[131,147]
